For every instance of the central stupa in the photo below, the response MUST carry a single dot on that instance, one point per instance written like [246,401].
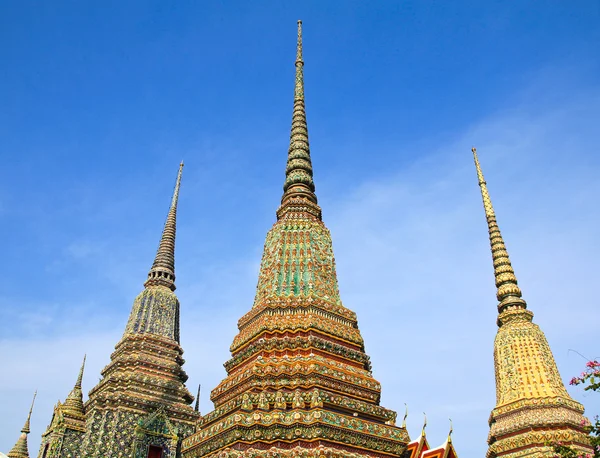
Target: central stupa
[299,382]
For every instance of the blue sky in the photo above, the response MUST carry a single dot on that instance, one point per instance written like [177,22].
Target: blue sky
[101,102]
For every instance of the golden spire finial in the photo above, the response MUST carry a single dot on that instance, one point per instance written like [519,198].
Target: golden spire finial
[163,267]
[451,430]
[405,415]
[508,292]
[424,424]
[299,174]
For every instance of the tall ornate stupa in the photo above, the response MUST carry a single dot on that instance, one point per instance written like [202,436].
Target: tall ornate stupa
[141,407]
[298,383]
[533,409]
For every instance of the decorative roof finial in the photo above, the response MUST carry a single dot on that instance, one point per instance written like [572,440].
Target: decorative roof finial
[26,428]
[163,268]
[20,449]
[197,407]
[74,402]
[405,416]
[299,175]
[424,424]
[508,293]
[80,376]
[451,430]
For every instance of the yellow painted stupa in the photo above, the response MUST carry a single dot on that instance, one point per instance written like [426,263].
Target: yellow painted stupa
[533,409]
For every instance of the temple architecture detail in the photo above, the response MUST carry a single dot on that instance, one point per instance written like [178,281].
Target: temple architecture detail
[21,449]
[533,409]
[419,448]
[67,427]
[299,382]
[141,405]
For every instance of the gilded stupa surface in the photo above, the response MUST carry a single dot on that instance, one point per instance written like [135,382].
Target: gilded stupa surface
[299,382]
[533,409]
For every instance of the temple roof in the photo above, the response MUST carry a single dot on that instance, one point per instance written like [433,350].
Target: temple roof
[419,448]
[446,450]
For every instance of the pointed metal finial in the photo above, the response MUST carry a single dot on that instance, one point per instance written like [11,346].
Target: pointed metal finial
[299,46]
[299,174]
[197,407]
[74,401]
[405,415]
[451,430]
[424,424]
[163,267]
[508,292]
[80,376]
[26,427]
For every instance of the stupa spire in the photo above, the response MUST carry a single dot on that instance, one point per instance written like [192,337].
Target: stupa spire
[80,376]
[20,449]
[197,406]
[508,291]
[163,267]
[26,427]
[298,174]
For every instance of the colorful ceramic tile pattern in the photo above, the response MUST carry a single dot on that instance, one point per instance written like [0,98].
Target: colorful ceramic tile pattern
[299,382]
